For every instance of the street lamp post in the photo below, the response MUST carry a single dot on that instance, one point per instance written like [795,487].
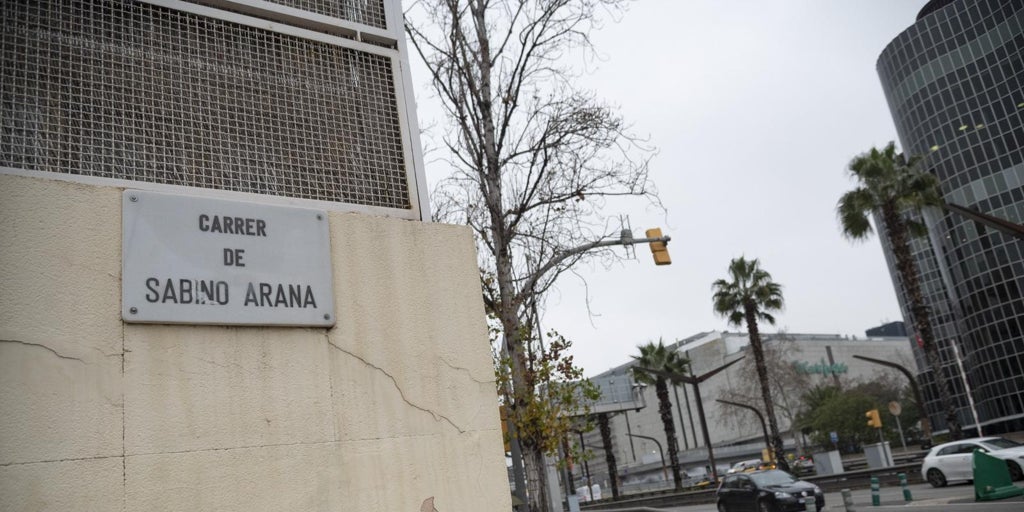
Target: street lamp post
[695,381]
[586,467]
[664,469]
[689,411]
[679,409]
[638,391]
[767,440]
[629,432]
[926,425]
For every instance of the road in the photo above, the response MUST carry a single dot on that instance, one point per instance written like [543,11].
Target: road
[955,498]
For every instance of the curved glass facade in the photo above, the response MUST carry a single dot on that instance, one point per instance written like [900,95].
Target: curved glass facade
[954,81]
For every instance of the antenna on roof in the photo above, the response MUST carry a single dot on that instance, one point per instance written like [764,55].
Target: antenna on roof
[626,235]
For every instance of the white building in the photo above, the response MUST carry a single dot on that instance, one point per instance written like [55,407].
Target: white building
[735,434]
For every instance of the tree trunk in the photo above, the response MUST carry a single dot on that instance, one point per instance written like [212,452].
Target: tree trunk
[570,482]
[665,409]
[766,392]
[609,454]
[897,232]
[679,410]
[491,189]
[537,500]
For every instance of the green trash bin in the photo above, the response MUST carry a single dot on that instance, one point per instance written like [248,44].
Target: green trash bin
[992,478]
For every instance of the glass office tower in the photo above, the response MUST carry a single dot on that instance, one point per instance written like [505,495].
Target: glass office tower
[954,81]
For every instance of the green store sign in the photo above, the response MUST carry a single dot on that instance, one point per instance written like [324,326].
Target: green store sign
[821,368]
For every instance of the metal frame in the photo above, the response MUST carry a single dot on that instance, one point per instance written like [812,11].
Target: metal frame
[306,19]
[233,195]
[304,24]
[325,29]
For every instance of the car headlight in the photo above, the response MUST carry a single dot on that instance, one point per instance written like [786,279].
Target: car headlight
[817,490]
[781,495]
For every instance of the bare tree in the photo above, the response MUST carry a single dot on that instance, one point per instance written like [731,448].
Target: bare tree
[533,159]
[787,384]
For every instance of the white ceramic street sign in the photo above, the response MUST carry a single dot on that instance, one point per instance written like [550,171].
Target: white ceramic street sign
[200,260]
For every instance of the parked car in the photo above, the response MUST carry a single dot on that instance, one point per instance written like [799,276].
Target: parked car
[802,465]
[953,461]
[746,465]
[770,490]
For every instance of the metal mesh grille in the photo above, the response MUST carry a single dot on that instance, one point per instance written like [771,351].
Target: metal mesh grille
[367,12]
[133,91]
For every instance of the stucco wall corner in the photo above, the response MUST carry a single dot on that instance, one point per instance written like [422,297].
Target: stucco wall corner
[60,325]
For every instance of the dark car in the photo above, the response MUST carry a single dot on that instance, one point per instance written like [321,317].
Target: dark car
[771,490]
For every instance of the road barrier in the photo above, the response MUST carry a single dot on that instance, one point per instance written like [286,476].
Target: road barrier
[876,498]
[907,497]
[848,500]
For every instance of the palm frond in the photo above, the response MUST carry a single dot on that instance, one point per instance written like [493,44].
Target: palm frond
[886,178]
[852,210]
[916,228]
[750,284]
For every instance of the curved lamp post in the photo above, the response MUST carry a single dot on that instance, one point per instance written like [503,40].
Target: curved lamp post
[767,440]
[926,425]
[695,380]
[664,469]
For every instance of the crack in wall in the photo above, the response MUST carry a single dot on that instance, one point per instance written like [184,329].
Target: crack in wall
[54,352]
[124,428]
[229,448]
[467,371]
[437,417]
[177,452]
[71,459]
[330,387]
[215,449]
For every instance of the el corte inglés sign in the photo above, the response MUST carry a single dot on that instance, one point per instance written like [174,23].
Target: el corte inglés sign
[199,260]
[822,368]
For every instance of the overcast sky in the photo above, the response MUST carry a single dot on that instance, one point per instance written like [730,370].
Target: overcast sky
[756,107]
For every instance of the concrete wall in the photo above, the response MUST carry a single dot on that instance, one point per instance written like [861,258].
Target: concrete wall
[394,405]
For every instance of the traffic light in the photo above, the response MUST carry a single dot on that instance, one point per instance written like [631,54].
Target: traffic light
[658,248]
[873,419]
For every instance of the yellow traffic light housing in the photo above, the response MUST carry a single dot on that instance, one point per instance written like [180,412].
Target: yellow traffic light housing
[658,248]
[874,420]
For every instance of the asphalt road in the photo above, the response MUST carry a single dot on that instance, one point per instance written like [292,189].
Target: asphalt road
[954,498]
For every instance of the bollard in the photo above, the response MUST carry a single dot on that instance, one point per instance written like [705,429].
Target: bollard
[906,489]
[876,500]
[848,500]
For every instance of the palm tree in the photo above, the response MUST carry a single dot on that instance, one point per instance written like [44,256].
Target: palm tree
[655,365]
[751,295]
[891,186]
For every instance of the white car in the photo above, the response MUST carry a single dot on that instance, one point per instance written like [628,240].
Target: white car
[952,461]
[745,465]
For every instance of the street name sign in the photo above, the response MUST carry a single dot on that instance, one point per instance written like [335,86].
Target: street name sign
[202,260]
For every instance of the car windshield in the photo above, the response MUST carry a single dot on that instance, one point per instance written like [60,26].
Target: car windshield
[773,477]
[1000,443]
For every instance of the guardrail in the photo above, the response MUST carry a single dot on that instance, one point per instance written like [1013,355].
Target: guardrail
[857,479]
